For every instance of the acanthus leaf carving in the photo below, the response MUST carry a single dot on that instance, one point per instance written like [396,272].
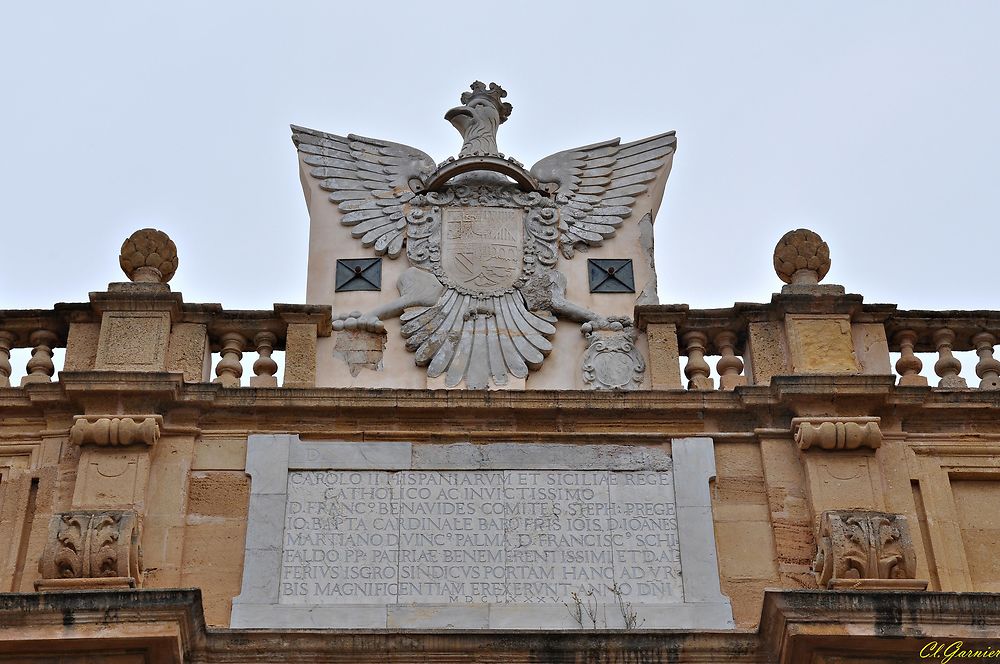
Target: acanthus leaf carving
[68,561]
[92,548]
[862,549]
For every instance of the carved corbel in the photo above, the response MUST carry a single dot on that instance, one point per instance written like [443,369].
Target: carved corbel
[865,550]
[111,430]
[92,549]
[837,433]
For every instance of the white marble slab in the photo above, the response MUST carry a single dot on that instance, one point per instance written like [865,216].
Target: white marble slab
[528,536]
[644,520]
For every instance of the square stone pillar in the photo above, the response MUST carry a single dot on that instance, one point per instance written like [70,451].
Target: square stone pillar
[95,544]
[821,333]
[661,322]
[664,356]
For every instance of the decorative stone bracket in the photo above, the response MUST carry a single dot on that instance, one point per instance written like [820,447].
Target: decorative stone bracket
[92,549]
[865,550]
[840,433]
[112,430]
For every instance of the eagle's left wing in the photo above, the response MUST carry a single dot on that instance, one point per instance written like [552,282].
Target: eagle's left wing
[598,185]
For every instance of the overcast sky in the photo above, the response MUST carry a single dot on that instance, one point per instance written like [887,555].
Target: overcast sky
[873,123]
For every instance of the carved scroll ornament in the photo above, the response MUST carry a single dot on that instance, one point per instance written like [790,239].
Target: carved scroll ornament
[848,433]
[859,549]
[92,548]
[107,430]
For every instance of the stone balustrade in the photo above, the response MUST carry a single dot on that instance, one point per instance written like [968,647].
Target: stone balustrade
[728,341]
[288,328]
[708,339]
[196,332]
[945,333]
[807,328]
[724,348]
[40,330]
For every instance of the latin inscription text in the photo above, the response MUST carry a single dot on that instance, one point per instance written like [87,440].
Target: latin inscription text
[503,536]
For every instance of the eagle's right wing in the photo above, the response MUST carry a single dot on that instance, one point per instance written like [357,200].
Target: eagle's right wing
[368,180]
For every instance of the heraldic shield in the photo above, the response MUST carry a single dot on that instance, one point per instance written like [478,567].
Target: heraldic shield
[482,247]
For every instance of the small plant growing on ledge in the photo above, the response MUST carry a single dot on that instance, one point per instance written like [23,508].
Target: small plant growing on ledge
[575,608]
[629,614]
[585,610]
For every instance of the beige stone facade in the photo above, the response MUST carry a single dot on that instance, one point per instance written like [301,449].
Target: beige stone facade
[853,508]
[483,439]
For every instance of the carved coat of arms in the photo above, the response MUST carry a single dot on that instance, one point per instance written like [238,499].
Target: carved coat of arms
[482,234]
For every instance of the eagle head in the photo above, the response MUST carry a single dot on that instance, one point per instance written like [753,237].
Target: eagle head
[478,118]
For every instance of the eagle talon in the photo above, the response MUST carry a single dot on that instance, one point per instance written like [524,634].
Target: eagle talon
[357,321]
[612,323]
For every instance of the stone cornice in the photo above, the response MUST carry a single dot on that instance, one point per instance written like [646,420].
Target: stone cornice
[850,394]
[795,625]
[170,623]
[737,316]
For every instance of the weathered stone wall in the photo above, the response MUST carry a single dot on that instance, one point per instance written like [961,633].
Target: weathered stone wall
[765,506]
[129,469]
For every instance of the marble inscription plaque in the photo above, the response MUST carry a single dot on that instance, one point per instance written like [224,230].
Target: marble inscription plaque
[479,536]
[500,535]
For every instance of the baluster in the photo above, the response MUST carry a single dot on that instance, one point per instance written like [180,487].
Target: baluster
[229,368]
[988,367]
[6,343]
[948,366]
[697,369]
[730,365]
[40,367]
[264,367]
[908,365]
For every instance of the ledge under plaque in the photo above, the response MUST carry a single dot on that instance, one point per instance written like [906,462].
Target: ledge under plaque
[491,536]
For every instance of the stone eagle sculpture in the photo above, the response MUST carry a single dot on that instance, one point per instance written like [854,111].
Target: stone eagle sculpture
[483,235]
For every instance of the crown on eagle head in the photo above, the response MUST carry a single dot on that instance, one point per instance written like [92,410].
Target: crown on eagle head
[494,93]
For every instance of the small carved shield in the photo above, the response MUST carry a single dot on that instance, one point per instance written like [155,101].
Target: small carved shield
[482,248]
